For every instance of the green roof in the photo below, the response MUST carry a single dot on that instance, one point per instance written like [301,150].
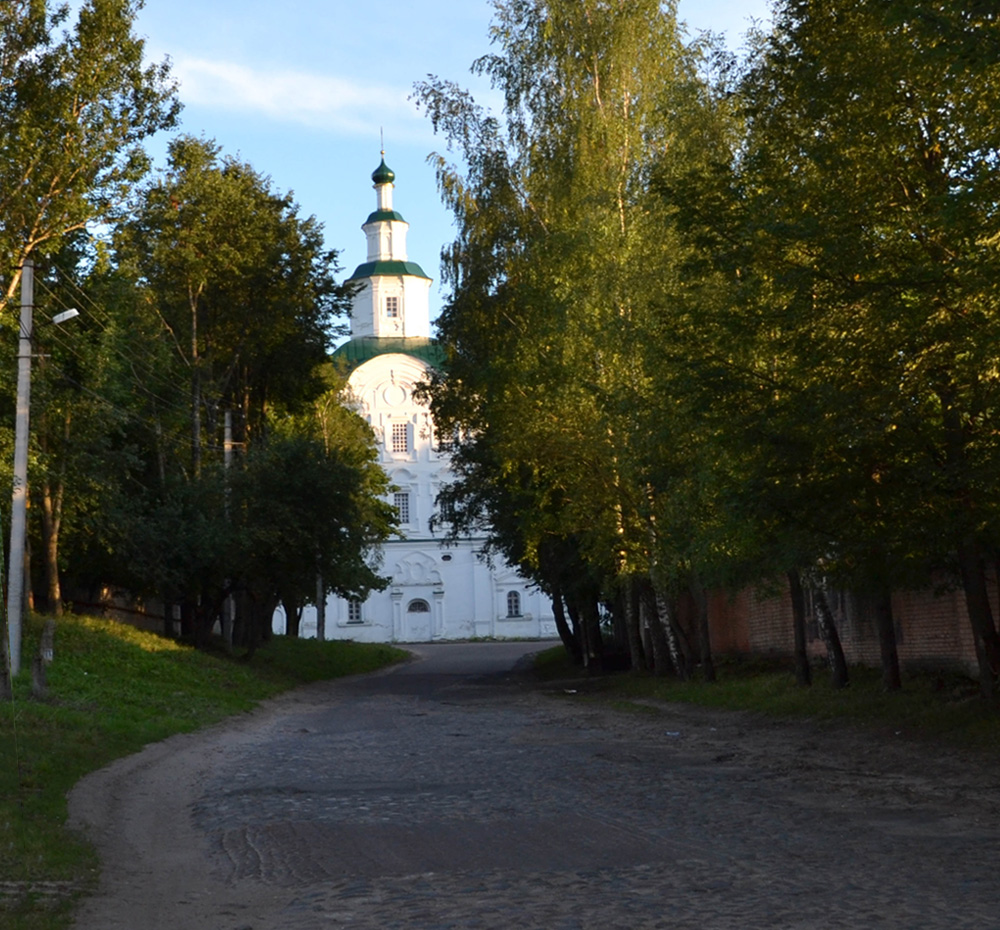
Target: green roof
[373,269]
[358,351]
[383,174]
[384,215]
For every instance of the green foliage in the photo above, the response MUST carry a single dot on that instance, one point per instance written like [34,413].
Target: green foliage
[75,106]
[291,509]
[872,217]
[570,327]
[216,295]
[112,689]
[241,285]
[713,325]
[870,209]
[305,508]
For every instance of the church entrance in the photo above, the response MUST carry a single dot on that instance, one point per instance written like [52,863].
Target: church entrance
[417,623]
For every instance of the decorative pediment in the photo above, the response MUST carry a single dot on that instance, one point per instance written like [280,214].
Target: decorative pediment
[416,569]
[508,577]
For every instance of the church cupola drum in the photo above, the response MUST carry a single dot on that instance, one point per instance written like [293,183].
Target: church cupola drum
[393,298]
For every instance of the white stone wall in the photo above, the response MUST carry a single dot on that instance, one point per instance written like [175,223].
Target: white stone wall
[465,597]
[368,313]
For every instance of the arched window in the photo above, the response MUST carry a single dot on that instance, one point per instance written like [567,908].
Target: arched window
[513,604]
[418,607]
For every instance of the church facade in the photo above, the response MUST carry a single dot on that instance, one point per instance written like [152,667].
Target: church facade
[437,591]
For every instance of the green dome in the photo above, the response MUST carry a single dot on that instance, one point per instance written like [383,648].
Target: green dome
[380,215]
[383,174]
[387,267]
[358,351]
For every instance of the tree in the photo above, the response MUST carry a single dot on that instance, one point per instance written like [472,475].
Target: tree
[243,287]
[306,509]
[561,258]
[869,168]
[75,107]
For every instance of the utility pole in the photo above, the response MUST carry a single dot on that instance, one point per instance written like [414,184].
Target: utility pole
[19,498]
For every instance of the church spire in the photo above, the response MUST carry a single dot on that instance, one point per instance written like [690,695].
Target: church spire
[383,176]
[394,297]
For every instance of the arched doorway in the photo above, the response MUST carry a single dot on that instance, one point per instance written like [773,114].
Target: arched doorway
[418,620]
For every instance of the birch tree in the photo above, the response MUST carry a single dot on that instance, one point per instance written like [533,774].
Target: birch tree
[561,264]
[77,101]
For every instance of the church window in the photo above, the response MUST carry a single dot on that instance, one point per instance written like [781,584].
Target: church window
[402,501]
[392,307]
[418,607]
[400,437]
[513,604]
[354,612]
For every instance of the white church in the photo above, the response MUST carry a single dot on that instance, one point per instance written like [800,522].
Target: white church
[437,591]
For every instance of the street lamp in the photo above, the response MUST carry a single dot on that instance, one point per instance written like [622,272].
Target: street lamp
[19,497]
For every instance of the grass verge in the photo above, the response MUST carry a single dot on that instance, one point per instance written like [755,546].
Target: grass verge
[113,689]
[943,707]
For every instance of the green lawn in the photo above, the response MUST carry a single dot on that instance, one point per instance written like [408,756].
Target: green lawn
[112,689]
[941,706]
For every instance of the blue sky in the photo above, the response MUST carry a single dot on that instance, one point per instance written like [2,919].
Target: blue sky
[301,88]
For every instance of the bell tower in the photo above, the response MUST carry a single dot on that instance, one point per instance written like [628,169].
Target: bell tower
[393,299]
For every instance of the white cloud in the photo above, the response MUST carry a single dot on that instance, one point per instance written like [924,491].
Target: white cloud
[317,101]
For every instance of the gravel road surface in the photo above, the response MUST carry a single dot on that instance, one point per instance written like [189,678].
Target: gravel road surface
[449,793]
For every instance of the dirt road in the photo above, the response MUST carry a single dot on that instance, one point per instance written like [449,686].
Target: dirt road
[446,794]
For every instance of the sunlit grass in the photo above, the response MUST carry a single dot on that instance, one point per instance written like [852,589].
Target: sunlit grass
[112,689]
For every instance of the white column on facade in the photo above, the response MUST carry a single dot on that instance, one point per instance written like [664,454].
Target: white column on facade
[438,631]
[397,615]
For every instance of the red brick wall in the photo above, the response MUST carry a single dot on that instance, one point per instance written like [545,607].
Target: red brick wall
[729,621]
[932,627]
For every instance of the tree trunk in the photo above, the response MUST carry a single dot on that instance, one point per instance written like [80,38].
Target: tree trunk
[645,629]
[228,618]
[591,617]
[581,628]
[258,627]
[53,494]
[680,651]
[29,590]
[205,614]
[241,635]
[570,638]
[320,608]
[195,389]
[803,672]
[834,650]
[704,632]
[161,453]
[629,601]
[886,626]
[293,619]
[659,647]
[5,687]
[619,625]
[977,605]
[52,502]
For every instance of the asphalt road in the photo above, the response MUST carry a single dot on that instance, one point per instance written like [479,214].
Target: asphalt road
[449,794]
